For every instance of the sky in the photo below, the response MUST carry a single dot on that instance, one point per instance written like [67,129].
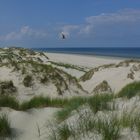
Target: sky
[85,23]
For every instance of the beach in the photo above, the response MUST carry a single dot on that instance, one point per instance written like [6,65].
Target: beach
[74,76]
[83,60]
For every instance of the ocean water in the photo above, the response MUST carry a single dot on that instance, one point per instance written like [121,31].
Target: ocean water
[116,52]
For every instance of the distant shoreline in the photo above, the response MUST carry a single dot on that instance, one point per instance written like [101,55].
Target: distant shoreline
[91,55]
[119,53]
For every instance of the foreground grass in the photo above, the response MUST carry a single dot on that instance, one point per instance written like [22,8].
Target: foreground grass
[5,128]
[96,103]
[107,128]
[87,126]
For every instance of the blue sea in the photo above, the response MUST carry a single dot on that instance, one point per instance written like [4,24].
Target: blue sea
[114,52]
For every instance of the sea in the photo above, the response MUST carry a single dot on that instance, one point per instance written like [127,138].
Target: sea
[113,52]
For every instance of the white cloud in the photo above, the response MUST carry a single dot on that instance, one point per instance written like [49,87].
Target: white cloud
[129,15]
[123,24]
[126,16]
[24,32]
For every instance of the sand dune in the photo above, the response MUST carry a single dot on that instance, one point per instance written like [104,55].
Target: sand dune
[61,70]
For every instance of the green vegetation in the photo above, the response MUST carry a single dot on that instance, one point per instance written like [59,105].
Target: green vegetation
[64,132]
[103,87]
[130,120]
[68,66]
[7,87]
[5,128]
[127,120]
[73,104]
[37,102]
[137,123]
[130,90]
[27,81]
[87,75]
[96,103]
[110,130]
[8,101]
[100,102]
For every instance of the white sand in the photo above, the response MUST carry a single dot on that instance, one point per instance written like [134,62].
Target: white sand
[82,60]
[26,125]
[116,77]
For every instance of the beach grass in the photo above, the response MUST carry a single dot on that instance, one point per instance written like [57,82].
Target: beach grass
[72,105]
[40,101]
[5,127]
[96,103]
[110,129]
[64,132]
[8,101]
[130,90]
[100,102]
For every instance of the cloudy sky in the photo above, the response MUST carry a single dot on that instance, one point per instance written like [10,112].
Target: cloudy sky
[86,23]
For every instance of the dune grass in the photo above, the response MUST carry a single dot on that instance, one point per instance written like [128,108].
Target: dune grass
[137,123]
[64,132]
[130,90]
[5,128]
[109,129]
[8,101]
[72,105]
[35,102]
[127,120]
[100,102]
[68,66]
[40,101]
[96,103]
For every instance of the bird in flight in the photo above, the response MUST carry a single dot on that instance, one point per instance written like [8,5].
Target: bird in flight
[63,35]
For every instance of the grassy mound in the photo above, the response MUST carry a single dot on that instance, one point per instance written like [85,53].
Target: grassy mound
[130,90]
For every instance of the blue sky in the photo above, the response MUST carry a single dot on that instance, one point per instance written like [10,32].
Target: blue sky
[86,23]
